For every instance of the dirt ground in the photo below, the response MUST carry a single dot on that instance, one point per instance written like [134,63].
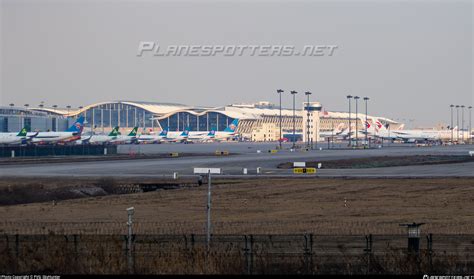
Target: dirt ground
[315,205]
[386,161]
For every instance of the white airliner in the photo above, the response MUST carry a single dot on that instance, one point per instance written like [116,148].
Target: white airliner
[379,130]
[214,135]
[71,134]
[152,138]
[334,133]
[176,136]
[99,139]
[130,138]
[16,138]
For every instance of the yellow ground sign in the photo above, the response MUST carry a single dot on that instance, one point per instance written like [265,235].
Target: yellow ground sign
[225,152]
[304,170]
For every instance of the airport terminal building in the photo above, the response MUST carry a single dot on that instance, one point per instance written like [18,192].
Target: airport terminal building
[13,119]
[257,122]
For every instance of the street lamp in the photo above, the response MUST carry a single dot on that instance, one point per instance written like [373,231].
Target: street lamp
[307,93]
[12,104]
[349,97]
[462,122]
[452,131]
[356,98]
[366,121]
[279,91]
[294,118]
[457,122]
[470,127]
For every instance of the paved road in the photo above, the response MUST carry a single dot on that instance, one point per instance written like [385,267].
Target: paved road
[232,165]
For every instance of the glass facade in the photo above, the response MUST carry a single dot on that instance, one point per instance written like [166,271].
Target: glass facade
[127,116]
[209,121]
[4,125]
[118,114]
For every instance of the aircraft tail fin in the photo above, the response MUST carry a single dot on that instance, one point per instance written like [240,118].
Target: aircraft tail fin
[379,126]
[164,132]
[233,126]
[114,132]
[185,133]
[22,133]
[78,126]
[212,133]
[133,132]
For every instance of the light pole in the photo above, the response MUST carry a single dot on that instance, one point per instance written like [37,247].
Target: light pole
[470,127]
[366,122]
[356,98]
[452,131]
[279,91]
[307,93]
[208,237]
[457,123]
[294,119]
[349,97]
[462,122]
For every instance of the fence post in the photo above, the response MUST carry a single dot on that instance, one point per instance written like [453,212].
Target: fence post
[308,253]
[17,253]
[429,239]
[130,255]
[246,254]
[193,260]
[251,254]
[76,250]
[368,250]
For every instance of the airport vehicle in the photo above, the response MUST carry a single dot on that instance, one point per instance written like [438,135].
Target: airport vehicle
[152,138]
[72,134]
[99,139]
[16,138]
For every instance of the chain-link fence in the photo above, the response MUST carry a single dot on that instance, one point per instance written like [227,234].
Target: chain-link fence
[235,254]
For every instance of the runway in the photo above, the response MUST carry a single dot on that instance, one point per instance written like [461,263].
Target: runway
[246,157]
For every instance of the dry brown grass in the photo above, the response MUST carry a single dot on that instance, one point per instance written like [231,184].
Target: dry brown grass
[279,206]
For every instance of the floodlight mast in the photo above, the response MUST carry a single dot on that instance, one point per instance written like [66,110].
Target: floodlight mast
[208,210]
[280,91]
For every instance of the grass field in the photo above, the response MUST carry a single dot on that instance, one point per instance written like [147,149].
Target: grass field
[386,161]
[322,206]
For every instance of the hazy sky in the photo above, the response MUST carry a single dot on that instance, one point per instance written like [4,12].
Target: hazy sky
[412,58]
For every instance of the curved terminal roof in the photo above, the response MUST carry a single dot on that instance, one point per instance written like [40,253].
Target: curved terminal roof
[240,111]
[361,116]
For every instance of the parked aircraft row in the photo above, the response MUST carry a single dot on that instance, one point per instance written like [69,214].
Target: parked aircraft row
[23,137]
[376,130]
[74,135]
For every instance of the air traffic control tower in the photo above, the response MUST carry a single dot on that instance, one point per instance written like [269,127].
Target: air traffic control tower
[310,113]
